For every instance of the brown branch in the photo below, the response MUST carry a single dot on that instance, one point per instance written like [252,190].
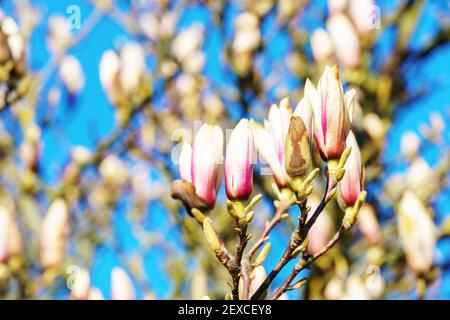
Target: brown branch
[297,238]
[302,264]
[235,271]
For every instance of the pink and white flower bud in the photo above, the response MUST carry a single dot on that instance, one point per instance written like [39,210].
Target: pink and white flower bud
[257,278]
[122,287]
[54,231]
[270,140]
[410,144]
[10,238]
[4,225]
[305,111]
[266,148]
[332,112]
[345,40]
[239,162]
[368,224]
[321,231]
[95,294]
[71,74]
[417,232]
[81,285]
[59,35]
[351,184]
[363,15]
[207,159]
[321,45]
[110,76]
[336,6]
[132,57]
[185,161]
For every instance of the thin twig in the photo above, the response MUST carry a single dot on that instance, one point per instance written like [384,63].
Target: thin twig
[298,237]
[302,264]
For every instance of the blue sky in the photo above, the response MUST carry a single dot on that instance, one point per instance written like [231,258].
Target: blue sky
[92,116]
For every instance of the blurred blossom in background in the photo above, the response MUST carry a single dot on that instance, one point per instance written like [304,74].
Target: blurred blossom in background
[96,95]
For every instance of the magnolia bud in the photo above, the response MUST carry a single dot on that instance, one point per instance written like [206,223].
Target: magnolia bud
[356,289]
[187,42]
[417,232]
[81,285]
[95,294]
[54,231]
[239,162]
[298,152]
[321,45]
[368,224]
[207,153]
[199,284]
[5,52]
[110,76]
[114,171]
[122,287]
[257,277]
[336,6]
[321,231]
[363,15]
[332,113]
[351,184]
[4,226]
[185,161]
[410,144]
[305,112]
[270,140]
[211,236]
[247,36]
[132,57]
[59,35]
[345,40]
[71,74]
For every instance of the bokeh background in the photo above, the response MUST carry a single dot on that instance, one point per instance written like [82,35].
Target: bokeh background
[403,80]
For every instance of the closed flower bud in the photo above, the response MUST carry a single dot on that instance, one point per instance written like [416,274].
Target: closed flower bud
[363,14]
[356,289]
[54,231]
[247,37]
[336,6]
[187,42]
[207,154]
[410,144]
[81,285]
[368,224]
[345,40]
[257,277]
[132,57]
[305,112]
[95,294]
[110,76]
[239,162]
[71,73]
[114,171]
[59,35]
[122,287]
[270,140]
[185,161]
[321,45]
[322,230]
[298,151]
[417,232]
[351,184]
[10,239]
[332,113]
